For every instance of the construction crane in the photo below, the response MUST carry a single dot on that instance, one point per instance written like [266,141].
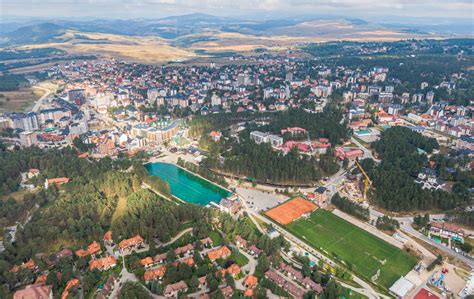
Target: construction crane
[367,179]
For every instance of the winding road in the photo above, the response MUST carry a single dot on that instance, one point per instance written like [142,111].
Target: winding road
[38,103]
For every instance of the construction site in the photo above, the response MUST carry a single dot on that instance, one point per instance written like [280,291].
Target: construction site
[351,186]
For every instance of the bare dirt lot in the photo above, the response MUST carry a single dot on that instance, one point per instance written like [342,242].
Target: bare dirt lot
[19,100]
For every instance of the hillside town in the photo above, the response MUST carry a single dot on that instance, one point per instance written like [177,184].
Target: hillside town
[261,236]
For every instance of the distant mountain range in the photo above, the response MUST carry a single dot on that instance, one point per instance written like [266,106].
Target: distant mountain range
[181,38]
[14,33]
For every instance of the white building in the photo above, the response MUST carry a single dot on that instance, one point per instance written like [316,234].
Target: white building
[259,137]
[401,288]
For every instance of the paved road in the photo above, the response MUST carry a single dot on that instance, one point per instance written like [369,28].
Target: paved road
[406,226]
[249,268]
[411,231]
[179,235]
[124,277]
[38,103]
[367,152]
[367,289]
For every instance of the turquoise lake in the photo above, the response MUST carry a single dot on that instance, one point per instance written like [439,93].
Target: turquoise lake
[187,186]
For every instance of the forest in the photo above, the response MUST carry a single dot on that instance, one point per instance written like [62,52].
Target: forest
[80,211]
[153,217]
[326,124]
[204,172]
[393,179]
[387,224]
[462,217]
[350,207]
[9,82]
[241,157]
[262,163]
[30,53]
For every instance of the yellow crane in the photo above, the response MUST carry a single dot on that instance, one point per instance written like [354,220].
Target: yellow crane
[367,179]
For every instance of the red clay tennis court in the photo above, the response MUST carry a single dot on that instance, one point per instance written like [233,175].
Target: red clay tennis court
[291,210]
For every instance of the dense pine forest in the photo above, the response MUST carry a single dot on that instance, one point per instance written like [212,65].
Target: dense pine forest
[241,157]
[82,210]
[261,162]
[393,179]
[350,207]
[326,124]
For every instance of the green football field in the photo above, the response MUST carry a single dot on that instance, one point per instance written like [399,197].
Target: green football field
[365,252]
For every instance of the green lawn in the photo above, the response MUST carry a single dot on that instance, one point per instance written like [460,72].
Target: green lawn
[359,249]
[215,237]
[240,259]
[348,293]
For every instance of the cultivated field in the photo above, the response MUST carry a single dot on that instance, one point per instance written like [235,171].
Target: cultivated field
[356,247]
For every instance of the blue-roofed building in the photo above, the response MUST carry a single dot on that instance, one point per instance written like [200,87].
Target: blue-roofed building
[465,142]
[20,121]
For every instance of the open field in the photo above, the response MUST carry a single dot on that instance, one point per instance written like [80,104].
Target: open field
[19,100]
[33,68]
[362,251]
[154,49]
[149,49]
[17,195]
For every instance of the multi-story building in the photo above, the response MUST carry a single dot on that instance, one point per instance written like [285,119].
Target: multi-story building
[259,137]
[159,132]
[54,114]
[24,121]
[77,96]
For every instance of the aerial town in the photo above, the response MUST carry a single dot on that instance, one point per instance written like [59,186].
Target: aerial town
[271,175]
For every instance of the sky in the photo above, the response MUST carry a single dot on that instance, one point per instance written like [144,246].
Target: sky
[251,9]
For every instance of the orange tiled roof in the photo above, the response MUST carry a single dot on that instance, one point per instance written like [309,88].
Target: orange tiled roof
[248,293]
[206,241]
[184,249]
[130,242]
[94,247]
[215,134]
[447,226]
[240,240]
[70,284]
[102,263]
[218,253]
[189,261]
[202,280]
[41,279]
[83,156]
[108,236]
[250,281]
[155,273]
[146,261]
[58,181]
[29,265]
[233,270]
